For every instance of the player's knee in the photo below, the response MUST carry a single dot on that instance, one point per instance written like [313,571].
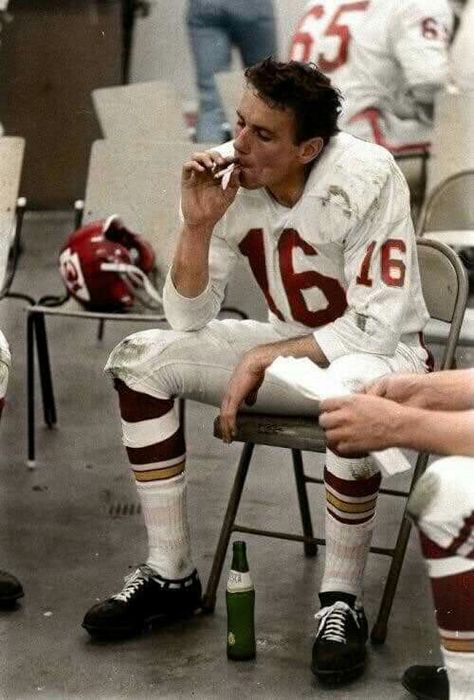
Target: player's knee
[131,355]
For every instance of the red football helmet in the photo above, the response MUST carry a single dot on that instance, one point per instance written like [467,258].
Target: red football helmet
[106,267]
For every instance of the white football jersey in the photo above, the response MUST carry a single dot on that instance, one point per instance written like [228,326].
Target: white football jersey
[400,48]
[324,33]
[341,262]
[462,52]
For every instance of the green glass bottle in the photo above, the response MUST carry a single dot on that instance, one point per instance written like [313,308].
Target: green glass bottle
[240,599]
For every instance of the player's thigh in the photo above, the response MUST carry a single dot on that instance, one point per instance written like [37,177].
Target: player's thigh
[195,365]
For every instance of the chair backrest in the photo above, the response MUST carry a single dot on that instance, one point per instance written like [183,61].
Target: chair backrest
[450,206]
[452,141]
[141,184]
[140,111]
[230,85]
[11,160]
[445,289]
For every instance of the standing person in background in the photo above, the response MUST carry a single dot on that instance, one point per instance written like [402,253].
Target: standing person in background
[214,27]
[432,413]
[10,587]
[389,58]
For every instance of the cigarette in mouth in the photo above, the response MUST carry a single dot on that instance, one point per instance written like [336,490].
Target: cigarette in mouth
[225,175]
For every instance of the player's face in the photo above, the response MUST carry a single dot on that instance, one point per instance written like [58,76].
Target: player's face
[265,148]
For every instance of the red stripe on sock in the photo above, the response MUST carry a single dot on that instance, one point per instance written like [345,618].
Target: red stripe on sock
[464,534]
[356,488]
[135,406]
[173,446]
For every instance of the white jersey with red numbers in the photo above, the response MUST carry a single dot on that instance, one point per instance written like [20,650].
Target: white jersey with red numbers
[462,52]
[398,60]
[324,33]
[340,263]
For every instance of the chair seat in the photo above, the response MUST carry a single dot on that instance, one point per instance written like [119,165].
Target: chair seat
[293,432]
[437,331]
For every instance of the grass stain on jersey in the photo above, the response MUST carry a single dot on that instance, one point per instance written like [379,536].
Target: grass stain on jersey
[336,191]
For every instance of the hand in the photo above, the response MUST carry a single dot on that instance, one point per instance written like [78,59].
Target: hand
[243,386]
[407,389]
[359,423]
[203,201]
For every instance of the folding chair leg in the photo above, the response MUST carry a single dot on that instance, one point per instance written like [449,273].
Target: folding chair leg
[100,330]
[310,548]
[30,387]
[209,599]
[49,406]
[379,630]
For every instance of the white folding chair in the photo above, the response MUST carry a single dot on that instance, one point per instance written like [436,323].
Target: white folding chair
[142,185]
[448,216]
[139,112]
[452,142]
[11,209]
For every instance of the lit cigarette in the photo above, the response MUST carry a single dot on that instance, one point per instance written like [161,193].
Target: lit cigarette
[225,175]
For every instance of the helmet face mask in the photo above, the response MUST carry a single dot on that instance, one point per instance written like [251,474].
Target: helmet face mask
[106,267]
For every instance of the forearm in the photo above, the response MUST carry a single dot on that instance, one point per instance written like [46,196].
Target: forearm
[451,390]
[438,432]
[303,346]
[190,267]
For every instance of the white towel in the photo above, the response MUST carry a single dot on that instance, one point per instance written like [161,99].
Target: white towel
[316,383]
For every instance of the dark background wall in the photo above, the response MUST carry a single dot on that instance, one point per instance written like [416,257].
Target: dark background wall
[53,54]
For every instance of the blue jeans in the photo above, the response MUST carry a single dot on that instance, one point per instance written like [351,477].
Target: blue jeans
[214,26]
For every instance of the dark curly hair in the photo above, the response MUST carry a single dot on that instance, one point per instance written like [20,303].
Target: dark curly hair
[302,88]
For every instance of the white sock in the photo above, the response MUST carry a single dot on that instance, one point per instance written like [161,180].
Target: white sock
[460,668]
[346,555]
[164,511]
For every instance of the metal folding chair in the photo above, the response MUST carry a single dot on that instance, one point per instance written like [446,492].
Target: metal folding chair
[147,111]
[12,209]
[452,139]
[445,289]
[448,216]
[142,184]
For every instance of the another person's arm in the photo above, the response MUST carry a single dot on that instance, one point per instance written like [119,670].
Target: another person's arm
[363,423]
[443,391]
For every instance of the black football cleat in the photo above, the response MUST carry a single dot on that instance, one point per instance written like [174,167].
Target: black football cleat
[339,653]
[427,682]
[10,590]
[145,598]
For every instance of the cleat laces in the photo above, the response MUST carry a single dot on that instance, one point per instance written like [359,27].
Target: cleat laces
[133,582]
[332,622]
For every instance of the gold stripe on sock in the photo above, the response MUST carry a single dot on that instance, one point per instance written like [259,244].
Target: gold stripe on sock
[459,645]
[159,474]
[346,507]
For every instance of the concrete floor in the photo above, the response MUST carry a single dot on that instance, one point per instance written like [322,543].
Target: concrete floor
[62,534]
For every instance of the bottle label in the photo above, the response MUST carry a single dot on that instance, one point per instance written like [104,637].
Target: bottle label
[239,581]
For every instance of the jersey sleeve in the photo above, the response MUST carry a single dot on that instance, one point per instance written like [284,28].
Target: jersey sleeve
[420,34]
[191,314]
[379,256]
